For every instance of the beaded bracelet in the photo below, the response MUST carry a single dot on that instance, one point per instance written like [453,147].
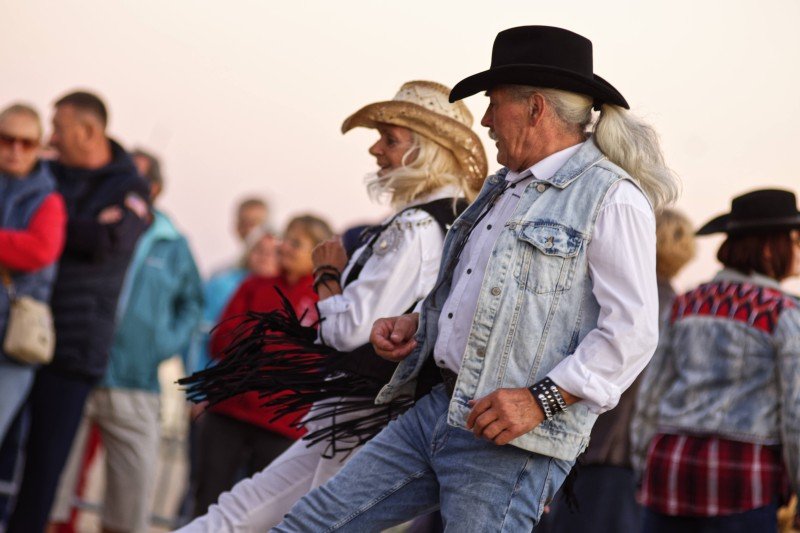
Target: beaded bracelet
[549,398]
[324,278]
[329,268]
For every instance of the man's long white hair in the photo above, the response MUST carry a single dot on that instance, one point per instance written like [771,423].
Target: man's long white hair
[626,140]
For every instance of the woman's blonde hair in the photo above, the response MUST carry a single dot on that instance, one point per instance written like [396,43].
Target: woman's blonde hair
[675,243]
[426,166]
[626,140]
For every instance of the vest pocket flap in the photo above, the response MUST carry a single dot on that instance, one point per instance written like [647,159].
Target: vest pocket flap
[552,239]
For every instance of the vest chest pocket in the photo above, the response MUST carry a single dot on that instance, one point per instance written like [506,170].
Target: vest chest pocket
[546,257]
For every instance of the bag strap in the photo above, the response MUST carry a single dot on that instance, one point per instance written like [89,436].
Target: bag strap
[8,283]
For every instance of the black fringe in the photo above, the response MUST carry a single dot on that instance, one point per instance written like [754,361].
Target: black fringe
[274,355]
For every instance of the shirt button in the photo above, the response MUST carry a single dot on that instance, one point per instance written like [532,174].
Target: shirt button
[495,291]
[469,271]
[449,315]
[541,187]
[488,226]
[480,352]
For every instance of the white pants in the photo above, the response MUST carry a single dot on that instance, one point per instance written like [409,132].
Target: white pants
[130,428]
[259,503]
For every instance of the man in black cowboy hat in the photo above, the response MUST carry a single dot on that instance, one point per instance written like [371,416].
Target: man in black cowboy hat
[545,309]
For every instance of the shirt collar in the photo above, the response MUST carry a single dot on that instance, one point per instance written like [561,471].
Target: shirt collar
[547,167]
[729,274]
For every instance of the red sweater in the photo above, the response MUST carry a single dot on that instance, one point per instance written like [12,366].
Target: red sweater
[258,294]
[41,243]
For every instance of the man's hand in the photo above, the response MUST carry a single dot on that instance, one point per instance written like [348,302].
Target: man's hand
[504,415]
[110,215]
[330,252]
[393,338]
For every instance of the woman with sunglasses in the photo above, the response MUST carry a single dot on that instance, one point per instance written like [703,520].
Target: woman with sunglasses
[429,163]
[32,222]
[717,428]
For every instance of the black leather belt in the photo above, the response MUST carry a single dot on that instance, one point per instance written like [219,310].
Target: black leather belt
[449,379]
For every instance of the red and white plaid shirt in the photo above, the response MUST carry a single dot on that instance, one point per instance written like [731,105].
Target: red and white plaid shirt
[710,476]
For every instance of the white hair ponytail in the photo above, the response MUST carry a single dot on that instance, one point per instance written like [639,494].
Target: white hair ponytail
[632,144]
[626,140]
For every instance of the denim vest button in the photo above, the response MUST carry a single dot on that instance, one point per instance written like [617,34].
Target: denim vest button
[495,291]
[541,187]
[480,352]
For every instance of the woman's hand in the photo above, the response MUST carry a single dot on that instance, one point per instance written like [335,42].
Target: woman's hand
[330,252]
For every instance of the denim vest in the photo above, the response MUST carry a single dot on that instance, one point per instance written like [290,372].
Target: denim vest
[536,302]
[728,365]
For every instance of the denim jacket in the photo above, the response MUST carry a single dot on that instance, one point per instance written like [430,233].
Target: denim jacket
[536,302]
[728,365]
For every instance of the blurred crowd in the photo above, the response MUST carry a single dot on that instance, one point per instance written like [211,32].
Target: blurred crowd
[82,232]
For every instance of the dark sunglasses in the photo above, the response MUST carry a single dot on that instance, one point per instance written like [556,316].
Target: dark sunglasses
[9,141]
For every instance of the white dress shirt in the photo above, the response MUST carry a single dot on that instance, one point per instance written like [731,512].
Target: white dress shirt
[394,279]
[610,357]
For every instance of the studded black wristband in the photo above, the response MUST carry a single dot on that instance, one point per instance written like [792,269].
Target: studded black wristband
[549,398]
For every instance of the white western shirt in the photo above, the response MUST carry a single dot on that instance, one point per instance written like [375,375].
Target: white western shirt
[392,280]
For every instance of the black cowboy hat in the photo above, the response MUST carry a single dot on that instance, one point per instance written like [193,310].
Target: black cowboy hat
[763,209]
[541,56]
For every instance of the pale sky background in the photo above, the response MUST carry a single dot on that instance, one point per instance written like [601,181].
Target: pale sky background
[247,97]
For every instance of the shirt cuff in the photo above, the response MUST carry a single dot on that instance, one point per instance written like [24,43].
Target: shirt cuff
[331,306]
[599,394]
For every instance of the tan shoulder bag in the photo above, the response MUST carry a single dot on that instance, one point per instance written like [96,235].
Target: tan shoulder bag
[30,335]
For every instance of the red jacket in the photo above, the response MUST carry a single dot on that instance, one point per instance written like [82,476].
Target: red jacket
[258,294]
[40,244]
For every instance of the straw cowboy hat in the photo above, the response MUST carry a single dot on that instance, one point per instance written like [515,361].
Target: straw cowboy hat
[542,56]
[763,209]
[422,107]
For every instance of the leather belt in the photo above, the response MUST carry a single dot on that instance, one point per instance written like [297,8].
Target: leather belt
[449,379]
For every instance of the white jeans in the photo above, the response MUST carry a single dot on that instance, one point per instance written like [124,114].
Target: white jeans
[259,503]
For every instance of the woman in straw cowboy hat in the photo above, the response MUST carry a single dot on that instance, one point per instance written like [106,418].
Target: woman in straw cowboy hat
[430,164]
[717,427]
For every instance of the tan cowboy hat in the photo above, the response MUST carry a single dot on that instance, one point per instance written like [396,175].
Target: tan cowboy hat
[422,106]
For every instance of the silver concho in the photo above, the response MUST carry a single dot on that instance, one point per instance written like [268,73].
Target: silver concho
[388,241]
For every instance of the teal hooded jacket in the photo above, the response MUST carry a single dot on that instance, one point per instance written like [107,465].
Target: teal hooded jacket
[159,307]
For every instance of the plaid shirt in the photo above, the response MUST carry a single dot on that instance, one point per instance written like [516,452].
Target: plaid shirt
[710,476]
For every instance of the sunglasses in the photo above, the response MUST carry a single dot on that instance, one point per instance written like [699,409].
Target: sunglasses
[9,141]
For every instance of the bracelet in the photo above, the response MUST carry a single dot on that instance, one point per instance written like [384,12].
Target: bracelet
[320,268]
[549,398]
[323,279]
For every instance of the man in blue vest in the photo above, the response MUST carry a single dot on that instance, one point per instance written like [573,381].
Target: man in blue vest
[545,309]
[160,305]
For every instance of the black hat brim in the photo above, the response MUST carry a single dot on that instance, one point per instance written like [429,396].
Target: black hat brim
[725,224]
[538,76]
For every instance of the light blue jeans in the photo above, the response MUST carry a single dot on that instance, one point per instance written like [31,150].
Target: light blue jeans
[15,384]
[418,463]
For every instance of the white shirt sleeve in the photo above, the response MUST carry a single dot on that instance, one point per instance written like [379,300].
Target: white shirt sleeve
[390,283]
[622,267]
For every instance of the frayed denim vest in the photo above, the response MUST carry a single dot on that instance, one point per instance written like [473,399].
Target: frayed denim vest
[536,302]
